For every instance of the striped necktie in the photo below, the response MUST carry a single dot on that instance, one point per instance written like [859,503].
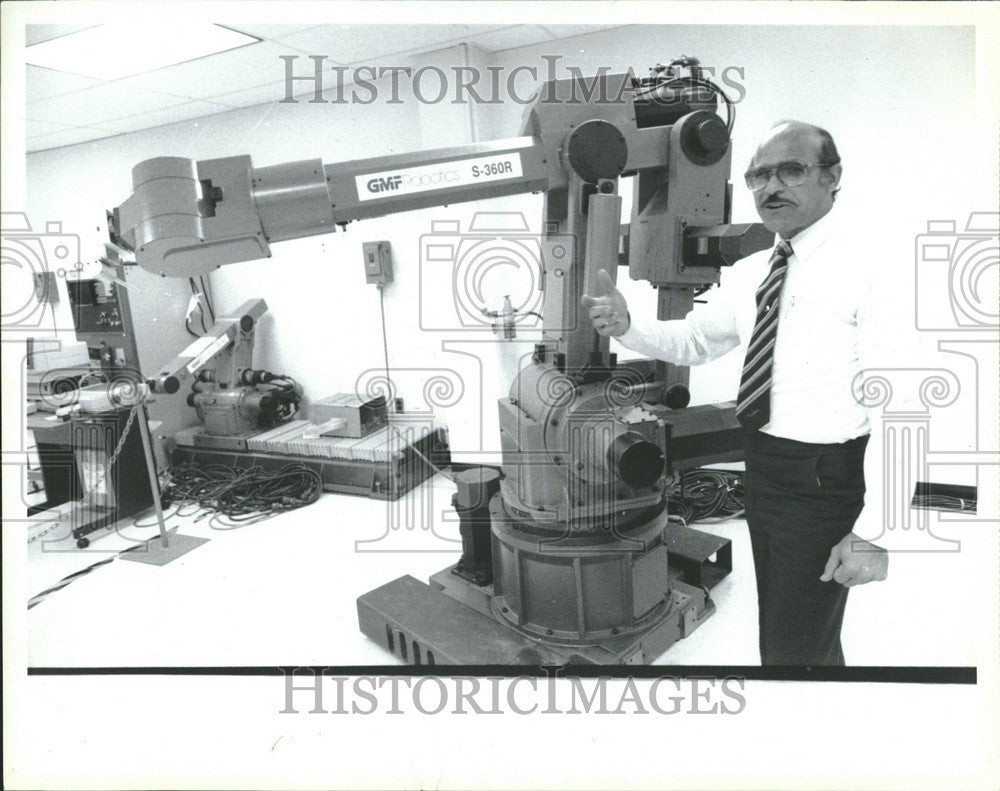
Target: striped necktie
[753,406]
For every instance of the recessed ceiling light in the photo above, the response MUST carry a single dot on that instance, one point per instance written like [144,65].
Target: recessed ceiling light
[110,52]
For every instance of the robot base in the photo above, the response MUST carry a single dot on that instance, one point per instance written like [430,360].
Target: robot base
[449,622]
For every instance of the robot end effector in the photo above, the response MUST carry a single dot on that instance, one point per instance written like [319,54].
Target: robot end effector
[228,347]
[231,397]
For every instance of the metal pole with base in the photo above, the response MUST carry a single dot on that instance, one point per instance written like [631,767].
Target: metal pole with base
[169,548]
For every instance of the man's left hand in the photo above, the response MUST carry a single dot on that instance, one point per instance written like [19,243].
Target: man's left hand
[854,561]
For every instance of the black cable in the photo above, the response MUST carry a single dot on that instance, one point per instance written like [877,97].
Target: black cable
[288,395]
[201,307]
[942,502]
[187,318]
[69,578]
[730,107]
[385,339]
[677,507]
[706,493]
[699,81]
[208,297]
[211,294]
[241,495]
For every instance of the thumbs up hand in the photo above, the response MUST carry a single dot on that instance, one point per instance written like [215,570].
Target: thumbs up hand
[608,311]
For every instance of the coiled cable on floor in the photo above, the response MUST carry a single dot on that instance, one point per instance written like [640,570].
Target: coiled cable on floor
[241,495]
[703,494]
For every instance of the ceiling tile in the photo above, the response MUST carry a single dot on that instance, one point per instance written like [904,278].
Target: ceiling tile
[259,94]
[36,34]
[266,31]
[169,115]
[241,77]
[45,83]
[512,37]
[79,134]
[476,29]
[93,105]
[362,43]
[41,128]
[225,72]
[566,31]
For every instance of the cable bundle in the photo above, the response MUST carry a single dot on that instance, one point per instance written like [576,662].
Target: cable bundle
[943,502]
[698,495]
[241,495]
[287,394]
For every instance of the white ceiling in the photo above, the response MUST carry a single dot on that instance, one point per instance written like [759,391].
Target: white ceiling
[63,108]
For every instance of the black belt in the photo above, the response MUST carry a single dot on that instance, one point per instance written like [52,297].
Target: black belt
[782,446]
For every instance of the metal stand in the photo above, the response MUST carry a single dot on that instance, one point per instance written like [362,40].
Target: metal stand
[169,548]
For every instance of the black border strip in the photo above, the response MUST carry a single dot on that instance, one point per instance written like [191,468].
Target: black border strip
[879,675]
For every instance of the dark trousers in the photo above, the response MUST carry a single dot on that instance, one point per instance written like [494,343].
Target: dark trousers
[801,499]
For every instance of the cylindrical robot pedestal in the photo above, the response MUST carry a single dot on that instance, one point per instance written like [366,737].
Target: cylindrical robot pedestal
[580,588]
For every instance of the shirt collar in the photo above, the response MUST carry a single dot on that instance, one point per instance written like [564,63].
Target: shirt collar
[808,240]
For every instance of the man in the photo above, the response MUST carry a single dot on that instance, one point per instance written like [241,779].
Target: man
[799,310]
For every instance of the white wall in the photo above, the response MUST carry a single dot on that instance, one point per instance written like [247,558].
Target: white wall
[899,101]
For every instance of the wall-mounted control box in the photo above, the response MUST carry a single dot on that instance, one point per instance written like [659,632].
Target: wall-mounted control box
[378,262]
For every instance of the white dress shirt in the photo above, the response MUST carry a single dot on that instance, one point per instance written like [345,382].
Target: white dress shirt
[816,353]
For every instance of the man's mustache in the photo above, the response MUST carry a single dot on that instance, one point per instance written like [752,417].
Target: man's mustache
[776,200]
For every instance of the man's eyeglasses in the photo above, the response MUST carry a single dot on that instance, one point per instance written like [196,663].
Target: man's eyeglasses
[791,173]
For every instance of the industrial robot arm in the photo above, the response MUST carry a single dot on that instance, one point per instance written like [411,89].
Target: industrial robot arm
[569,557]
[231,396]
[226,350]
[185,218]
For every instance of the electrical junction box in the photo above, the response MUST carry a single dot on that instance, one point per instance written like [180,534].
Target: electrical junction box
[361,416]
[378,262]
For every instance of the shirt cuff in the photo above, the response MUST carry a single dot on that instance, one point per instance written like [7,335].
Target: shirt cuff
[634,335]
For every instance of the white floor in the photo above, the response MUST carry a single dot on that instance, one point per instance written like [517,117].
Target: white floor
[283,591]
